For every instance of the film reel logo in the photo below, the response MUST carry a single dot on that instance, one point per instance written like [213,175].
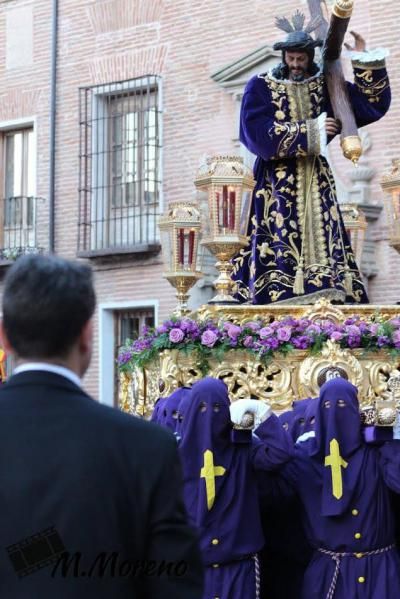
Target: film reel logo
[36,552]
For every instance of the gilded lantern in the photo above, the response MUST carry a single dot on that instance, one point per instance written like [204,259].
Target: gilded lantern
[229,185]
[180,231]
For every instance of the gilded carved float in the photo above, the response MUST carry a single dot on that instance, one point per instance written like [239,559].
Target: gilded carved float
[284,378]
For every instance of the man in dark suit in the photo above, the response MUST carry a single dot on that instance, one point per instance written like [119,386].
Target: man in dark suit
[90,497]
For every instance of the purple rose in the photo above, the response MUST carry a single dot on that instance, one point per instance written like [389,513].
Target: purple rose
[176,335]
[266,332]
[248,341]
[209,338]
[233,331]
[284,333]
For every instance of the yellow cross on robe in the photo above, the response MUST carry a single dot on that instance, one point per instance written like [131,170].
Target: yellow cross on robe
[336,462]
[209,472]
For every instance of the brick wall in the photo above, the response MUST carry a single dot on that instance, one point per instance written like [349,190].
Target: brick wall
[184,41]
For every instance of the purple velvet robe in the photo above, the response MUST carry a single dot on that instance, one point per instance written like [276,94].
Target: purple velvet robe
[294,211]
[346,525]
[226,513]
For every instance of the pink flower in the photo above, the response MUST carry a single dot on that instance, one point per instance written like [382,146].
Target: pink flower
[176,335]
[336,335]
[266,332]
[209,338]
[284,333]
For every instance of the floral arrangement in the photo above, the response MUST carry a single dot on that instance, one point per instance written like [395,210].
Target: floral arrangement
[262,339]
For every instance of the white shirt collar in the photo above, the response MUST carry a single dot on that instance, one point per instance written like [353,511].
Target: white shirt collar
[44,366]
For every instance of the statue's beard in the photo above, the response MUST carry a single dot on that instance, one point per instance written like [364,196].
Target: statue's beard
[298,76]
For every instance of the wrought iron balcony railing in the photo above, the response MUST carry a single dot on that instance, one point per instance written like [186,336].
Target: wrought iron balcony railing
[18,227]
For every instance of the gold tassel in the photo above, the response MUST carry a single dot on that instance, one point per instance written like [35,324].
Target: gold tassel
[298,285]
[348,281]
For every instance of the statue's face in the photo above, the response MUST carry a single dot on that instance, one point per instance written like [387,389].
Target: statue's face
[298,63]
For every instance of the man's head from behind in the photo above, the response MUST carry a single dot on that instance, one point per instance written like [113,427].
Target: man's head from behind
[48,303]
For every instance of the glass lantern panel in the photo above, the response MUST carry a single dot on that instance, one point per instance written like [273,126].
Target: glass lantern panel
[186,239]
[167,249]
[223,209]
[245,211]
[206,219]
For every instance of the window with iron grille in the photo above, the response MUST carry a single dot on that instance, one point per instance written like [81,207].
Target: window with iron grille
[18,209]
[120,166]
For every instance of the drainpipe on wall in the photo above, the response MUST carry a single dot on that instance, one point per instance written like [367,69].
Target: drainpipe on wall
[52,135]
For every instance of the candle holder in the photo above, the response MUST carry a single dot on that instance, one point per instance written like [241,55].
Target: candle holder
[229,185]
[390,183]
[180,229]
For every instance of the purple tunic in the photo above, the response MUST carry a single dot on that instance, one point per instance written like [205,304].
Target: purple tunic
[220,489]
[347,516]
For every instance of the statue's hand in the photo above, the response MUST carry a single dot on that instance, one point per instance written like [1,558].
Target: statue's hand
[360,44]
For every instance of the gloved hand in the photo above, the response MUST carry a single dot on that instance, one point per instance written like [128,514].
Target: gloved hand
[260,410]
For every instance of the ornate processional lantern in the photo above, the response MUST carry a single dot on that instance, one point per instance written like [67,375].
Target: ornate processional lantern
[355,224]
[180,231]
[390,183]
[229,185]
